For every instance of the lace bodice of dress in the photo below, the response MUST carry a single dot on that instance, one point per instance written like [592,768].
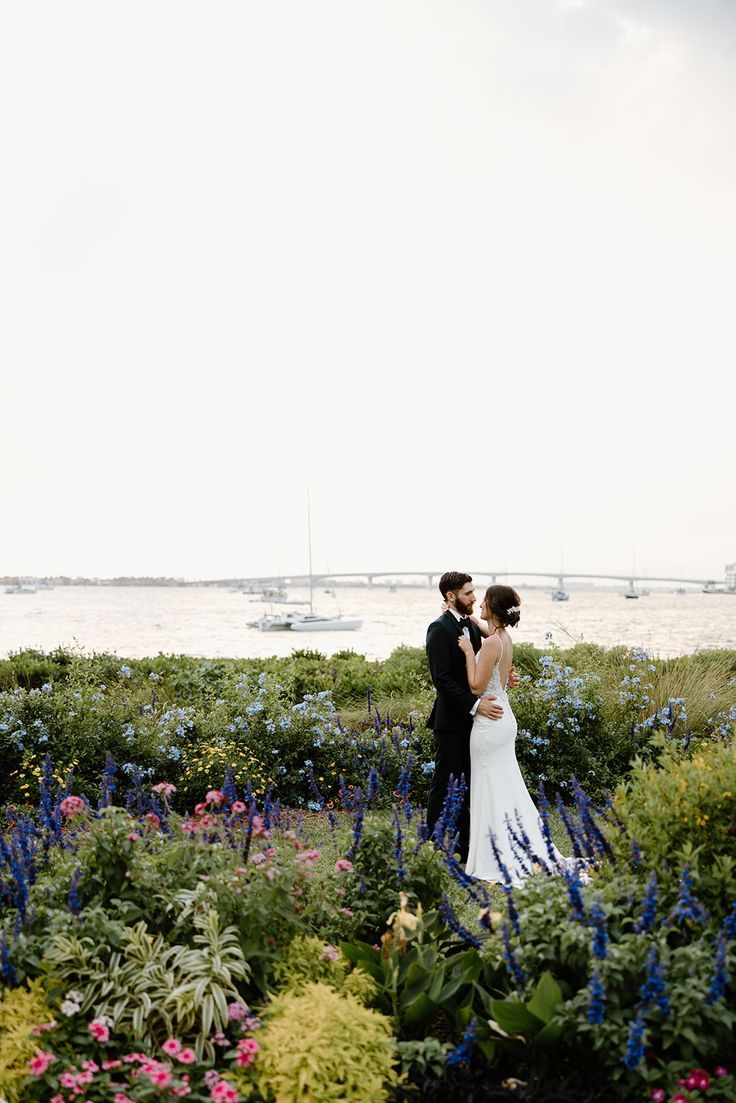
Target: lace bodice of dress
[494,682]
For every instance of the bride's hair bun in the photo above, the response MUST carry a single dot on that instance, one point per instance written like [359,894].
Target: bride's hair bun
[505,604]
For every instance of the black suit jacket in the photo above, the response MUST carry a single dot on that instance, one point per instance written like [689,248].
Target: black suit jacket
[451,709]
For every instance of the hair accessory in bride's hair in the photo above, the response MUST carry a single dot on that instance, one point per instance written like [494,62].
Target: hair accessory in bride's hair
[514,609]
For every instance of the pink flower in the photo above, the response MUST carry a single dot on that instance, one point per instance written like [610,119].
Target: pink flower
[171,1047]
[132,837]
[85,1077]
[45,1026]
[152,820]
[71,806]
[347,912]
[187,1056]
[107,1065]
[679,1099]
[270,851]
[343,865]
[237,807]
[38,1065]
[248,1045]
[330,953]
[161,1077]
[68,1080]
[58,1098]
[236,1012]
[199,808]
[658,1095]
[259,831]
[308,856]
[224,1093]
[720,1071]
[121,1097]
[214,796]
[90,1066]
[270,873]
[99,1029]
[164,787]
[256,858]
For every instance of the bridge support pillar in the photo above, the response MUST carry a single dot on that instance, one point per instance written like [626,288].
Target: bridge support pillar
[370,579]
[430,579]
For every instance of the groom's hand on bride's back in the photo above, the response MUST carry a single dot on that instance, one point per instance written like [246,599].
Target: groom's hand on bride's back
[489,707]
[514,678]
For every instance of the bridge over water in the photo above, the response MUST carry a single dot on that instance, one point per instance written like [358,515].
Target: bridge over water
[432,578]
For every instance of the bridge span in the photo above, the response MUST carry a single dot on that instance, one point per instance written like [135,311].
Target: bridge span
[433,577]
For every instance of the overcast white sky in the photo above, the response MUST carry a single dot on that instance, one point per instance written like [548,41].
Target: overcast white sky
[465,269]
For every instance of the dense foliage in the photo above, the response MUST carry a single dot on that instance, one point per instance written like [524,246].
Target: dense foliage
[298,724]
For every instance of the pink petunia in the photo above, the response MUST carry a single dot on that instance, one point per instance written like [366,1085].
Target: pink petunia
[71,806]
[214,796]
[270,873]
[132,837]
[161,1077]
[107,1065]
[658,1095]
[224,1093]
[121,1097]
[248,1045]
[38,1065]
[99,1029]
[187,1056]
[58,1098]
[164,787]
[343,865]
[171,1047]
[68,1080]
[719,1070]
[237,808]
[152,820]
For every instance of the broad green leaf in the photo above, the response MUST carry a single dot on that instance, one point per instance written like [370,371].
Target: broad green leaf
[545,998]
[515,1018]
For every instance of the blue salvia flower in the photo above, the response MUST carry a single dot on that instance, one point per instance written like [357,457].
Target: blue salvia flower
[403,787]
[358,816]
[654,988]
[475,888]
[315,790]
[572,829]
[649,914]
[573,883]
[7,969]
[271,809]
[452,922]
[370,702]
[445,830]
[636,858]
[48,814]
[719,979]
[598,921]
[72,901]
[517,847]
[507,885]
[464,1050]
[596,999]
[399,847]
[422,832]
[635,1044]
[517,973]
[229,788]
[373,785]
[729,923]
[526,844]
[546,830]
[595,840]
[687,906]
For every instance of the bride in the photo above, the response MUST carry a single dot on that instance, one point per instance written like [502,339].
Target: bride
[497,790]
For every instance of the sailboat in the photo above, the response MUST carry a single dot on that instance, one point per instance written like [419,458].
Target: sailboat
[311,621]
[561,594]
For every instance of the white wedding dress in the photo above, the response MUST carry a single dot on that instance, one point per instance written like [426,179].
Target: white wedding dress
[497,791]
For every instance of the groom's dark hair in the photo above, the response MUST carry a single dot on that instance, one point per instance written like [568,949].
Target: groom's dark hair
[453,580]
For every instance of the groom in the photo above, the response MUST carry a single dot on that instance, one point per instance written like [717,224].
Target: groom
[455,706]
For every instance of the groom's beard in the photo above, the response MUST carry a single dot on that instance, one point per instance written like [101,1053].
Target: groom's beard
[464,608]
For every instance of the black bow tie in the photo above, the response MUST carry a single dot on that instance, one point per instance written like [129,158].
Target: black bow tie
[464,622]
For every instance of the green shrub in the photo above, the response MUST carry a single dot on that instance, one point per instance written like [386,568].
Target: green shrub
[318,1045]
[21,1010]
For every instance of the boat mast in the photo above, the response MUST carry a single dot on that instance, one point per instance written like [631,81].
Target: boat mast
[309,537]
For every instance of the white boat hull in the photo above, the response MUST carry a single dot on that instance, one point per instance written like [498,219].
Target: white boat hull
[325,625]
